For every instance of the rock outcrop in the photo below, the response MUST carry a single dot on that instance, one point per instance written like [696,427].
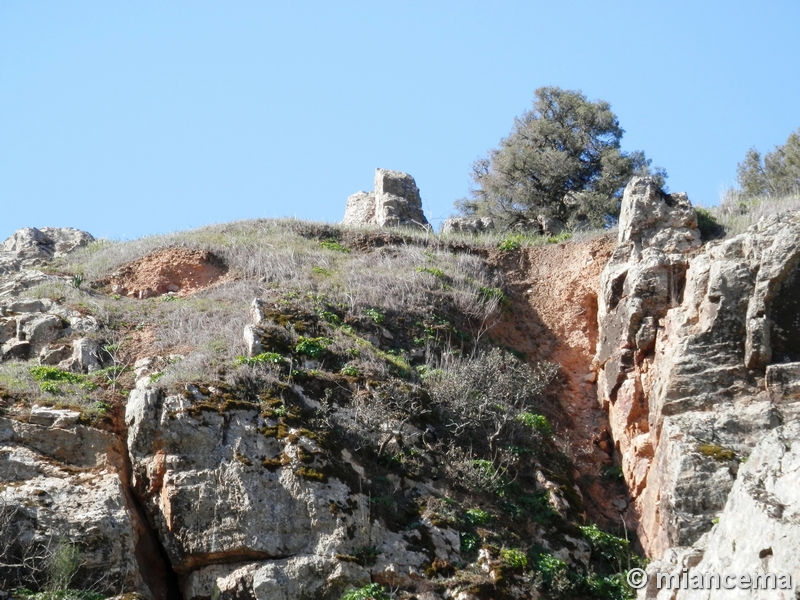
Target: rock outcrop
[395,202]
[468,225]
[695,367]
[64,481]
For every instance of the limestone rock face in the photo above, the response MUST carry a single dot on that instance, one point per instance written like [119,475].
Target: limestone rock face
[61,480]
[224,489]
[31,242]
[395,202]
[691,357]
[360,209]
[468,225]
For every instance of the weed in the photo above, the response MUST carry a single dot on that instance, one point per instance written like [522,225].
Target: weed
[260,359]
[350,371]
[511,243]
[335,246]
[50,377]
[536,422]
[377,316]
[515,559]
[469,541]
[478,516]
[438,273]
[312,347]
[561,237]
[372,591]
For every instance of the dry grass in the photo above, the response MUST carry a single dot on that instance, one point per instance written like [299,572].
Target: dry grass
[737,213]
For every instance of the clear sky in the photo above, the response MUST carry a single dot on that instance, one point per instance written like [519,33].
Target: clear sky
[128,118]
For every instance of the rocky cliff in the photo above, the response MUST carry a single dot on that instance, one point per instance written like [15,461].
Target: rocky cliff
[696,368]
[279,410]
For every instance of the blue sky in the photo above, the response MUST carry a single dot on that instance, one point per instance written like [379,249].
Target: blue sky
[130,118]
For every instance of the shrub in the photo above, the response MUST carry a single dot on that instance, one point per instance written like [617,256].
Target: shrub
[479,398]
[377,316]
[536,422]
[511,243]
[261,359]
[469,541]
[373,591]
[50,377]
[334,245]
[312,347]
[516,559]
[708,225]
[478,516]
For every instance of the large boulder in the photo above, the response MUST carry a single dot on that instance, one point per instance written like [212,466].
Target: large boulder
[395,202]
[46,242]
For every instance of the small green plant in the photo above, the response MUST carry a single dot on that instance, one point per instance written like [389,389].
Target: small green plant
[469,541]
[615,551]
[321,271]
[478,516]
[329,317]
[77,281]
[487,294]
[708,225]
[350,371]
[377,316]
[511,243]
[515,559]
[438,273]
[613,473]
[372,591]
[550,567]
[261,359]
[313,347]
[536,422]
[561,237]
[61,568]
[334,245]
[50,377]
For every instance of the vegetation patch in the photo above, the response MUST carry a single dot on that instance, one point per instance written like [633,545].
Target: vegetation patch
[716,452]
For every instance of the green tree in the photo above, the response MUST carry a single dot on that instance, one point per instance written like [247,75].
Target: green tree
[562,160]
[777,174]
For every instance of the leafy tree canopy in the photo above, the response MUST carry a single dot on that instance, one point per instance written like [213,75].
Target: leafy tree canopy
[562,160]
[776,174]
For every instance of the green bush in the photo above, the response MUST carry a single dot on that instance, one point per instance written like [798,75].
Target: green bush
[350,371]
[561,237]
[313,347]
[708,225]
[511,243]
[377,316]
[477,516]
[50,377]
[516,559]
[438,273]
[536,422]
[373,591]
[469,541]
[334,245]
[261,359]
